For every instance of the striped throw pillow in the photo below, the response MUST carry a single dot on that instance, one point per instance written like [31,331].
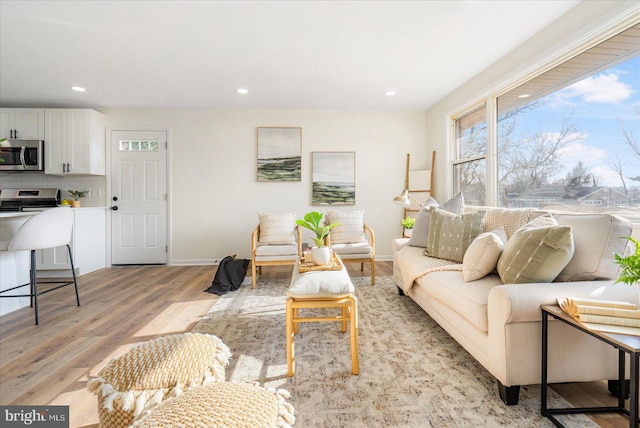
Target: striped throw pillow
[450,235]
[537,252]
[351,228]
[277,229]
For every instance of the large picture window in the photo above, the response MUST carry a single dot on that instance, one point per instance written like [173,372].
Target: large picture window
[567,139]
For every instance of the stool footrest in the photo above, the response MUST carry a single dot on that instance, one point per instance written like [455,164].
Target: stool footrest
[321,319]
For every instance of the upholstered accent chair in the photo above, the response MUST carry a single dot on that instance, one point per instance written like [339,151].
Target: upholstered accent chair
[352,240]
[276,241]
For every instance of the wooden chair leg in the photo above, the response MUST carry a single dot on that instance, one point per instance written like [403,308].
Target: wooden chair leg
[253,275]
[296,325]
[355,365]
[373,272]
[290,334]
[345,312]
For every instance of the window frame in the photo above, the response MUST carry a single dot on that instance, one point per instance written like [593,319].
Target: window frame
[490,99]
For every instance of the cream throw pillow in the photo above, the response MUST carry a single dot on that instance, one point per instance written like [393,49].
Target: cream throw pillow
[482,255]
[537,252]
[420,234]
[351,228]
[450,235]
[277,229]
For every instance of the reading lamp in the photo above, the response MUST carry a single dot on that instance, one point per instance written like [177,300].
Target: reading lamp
[404,199]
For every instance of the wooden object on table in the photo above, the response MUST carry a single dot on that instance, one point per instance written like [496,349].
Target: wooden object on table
[309,266]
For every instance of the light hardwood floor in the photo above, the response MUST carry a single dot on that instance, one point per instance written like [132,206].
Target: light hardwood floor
[51,363]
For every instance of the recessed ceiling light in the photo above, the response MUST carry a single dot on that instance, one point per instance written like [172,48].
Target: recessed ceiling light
[524,96]
[242,91]
[390,93]
[78,88]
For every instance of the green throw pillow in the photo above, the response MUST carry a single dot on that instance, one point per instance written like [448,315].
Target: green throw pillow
[420,234]
[537,252]
[450,235]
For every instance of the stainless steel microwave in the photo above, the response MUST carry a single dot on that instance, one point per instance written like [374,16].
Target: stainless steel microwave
[22,155]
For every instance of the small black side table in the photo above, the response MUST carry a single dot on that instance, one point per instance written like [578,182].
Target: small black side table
[623,343]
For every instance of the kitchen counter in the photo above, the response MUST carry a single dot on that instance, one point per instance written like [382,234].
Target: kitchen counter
[14,214]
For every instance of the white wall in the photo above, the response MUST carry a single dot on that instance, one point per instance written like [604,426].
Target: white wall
[215,196]
[577,27]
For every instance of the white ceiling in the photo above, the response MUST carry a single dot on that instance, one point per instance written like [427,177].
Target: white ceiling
[288,54]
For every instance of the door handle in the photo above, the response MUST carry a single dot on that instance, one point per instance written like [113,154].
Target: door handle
[114,208]
[22,150]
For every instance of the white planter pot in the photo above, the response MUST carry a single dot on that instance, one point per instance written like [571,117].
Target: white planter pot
[407,232]
[321,256]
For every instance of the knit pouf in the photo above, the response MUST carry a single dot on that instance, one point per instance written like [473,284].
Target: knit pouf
[222,404]
[155,370]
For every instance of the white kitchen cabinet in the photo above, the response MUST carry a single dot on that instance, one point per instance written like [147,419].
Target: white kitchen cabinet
[88,245]
[22,123]
[74,142]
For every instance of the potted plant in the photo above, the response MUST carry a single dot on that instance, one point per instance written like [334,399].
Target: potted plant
[407,224]
[77,195]
[320,254]
[629,266]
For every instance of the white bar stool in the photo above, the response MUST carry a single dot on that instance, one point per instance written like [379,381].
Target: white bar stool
[48,229]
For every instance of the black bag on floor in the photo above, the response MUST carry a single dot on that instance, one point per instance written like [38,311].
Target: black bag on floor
[229,276]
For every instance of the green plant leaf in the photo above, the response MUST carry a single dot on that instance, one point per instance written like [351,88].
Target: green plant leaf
[312,221]
[629,266]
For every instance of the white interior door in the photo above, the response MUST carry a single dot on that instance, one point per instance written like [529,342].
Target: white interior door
[138,197]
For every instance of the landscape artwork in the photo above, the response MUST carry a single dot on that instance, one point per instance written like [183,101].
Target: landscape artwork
[334,178]
[279,154]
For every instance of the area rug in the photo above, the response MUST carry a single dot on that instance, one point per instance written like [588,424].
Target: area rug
[412,374]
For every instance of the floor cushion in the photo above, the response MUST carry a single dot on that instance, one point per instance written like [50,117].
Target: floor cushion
[154,370]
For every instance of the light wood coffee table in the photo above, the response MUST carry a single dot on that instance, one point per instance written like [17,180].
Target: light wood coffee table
[321,289]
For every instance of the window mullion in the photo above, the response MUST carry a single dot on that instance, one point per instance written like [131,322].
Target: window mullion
[492,152]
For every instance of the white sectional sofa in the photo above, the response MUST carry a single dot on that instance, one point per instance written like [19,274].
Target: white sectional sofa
[500,325]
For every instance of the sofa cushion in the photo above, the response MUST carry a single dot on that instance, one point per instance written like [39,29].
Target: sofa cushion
[596,238]
[276,250]
[361,248]
[482,255]
[350,229]
[469,300]
[278,229]
[420,234]
[450,235]
[537,252]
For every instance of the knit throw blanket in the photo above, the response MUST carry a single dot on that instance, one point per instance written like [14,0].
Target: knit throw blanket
[414,264]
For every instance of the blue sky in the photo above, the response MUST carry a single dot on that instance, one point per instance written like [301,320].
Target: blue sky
[600,106]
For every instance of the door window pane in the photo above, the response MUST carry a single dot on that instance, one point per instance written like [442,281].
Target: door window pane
[138,145]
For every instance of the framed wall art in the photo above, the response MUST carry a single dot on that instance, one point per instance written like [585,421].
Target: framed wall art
[333,178]
[279,154]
